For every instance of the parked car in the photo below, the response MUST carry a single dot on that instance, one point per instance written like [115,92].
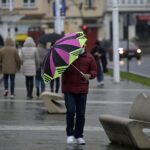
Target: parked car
[126,50]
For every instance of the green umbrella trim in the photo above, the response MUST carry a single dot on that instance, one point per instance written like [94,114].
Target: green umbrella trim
[59,71]
[73,56]
[82,41]
[46,77]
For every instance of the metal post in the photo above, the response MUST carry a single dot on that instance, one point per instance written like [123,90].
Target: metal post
[12,25]
[128,59]
[58,17]
[116,41]
[10,6]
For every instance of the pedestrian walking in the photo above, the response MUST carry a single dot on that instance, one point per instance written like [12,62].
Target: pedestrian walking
[100,56]
[40,86]
[30,62]
[55,83]
[1,41]
[10,64]
[75,86]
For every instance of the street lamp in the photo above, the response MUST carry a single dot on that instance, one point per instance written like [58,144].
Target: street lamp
[57,17]
[10,5]
[115,19]
[59,12]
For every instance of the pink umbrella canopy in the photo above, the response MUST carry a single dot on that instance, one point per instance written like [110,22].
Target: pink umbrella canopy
[63,53]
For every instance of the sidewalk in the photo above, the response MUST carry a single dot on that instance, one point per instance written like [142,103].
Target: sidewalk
[25,124]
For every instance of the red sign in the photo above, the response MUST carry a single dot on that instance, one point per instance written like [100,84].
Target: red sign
[144,18]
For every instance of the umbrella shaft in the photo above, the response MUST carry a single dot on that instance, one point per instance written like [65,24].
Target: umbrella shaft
[77,69]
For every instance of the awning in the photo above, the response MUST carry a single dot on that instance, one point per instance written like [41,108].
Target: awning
[21,37]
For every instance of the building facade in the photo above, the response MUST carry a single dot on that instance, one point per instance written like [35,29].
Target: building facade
[35,15]
[134,19]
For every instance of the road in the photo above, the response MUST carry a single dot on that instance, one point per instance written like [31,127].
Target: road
[26,125]
[139,67]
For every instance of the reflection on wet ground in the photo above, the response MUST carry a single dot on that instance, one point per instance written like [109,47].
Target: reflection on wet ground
[26,125]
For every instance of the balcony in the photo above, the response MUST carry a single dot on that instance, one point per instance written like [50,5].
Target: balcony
[130,5]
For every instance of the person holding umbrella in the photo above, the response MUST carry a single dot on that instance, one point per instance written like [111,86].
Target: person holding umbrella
[75,86]
[68,58]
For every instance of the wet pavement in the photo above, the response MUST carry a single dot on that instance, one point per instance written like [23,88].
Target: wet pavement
[26,125]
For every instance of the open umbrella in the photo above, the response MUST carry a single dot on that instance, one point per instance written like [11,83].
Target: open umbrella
[51,37]
[63,53]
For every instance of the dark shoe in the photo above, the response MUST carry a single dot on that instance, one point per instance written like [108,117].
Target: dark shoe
[56,91]
[30,97]
[5,93]
[37,92]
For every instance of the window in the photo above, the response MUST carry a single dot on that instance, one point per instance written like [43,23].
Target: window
[7,4]
[29,3]
[89,3]
[4,1]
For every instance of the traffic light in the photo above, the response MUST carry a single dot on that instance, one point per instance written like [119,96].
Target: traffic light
[84,27]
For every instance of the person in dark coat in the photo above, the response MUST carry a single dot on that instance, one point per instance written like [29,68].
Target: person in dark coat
[1,41]
[75,87]
[55,83]
[40,85]
[100,56]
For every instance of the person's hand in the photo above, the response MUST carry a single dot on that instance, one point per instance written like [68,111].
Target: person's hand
[86,76]
[97,54]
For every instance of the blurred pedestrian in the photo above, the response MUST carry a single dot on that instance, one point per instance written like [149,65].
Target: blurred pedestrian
[10,64]
[75,86]
[100,56]
[40,86]
[30,62]
[1,41]
[55,83]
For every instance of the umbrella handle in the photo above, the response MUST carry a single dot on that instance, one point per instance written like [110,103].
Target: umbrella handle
[78,70]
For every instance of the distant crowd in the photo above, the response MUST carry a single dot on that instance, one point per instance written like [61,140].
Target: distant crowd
[29,58]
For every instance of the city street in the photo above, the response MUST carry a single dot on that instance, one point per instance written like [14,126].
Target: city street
[26,125]
[135,66]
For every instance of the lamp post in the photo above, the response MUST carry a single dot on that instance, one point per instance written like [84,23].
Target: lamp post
[12,24]
[57,23]
[10,6]
[59,13]
[128,66]
[115,19]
